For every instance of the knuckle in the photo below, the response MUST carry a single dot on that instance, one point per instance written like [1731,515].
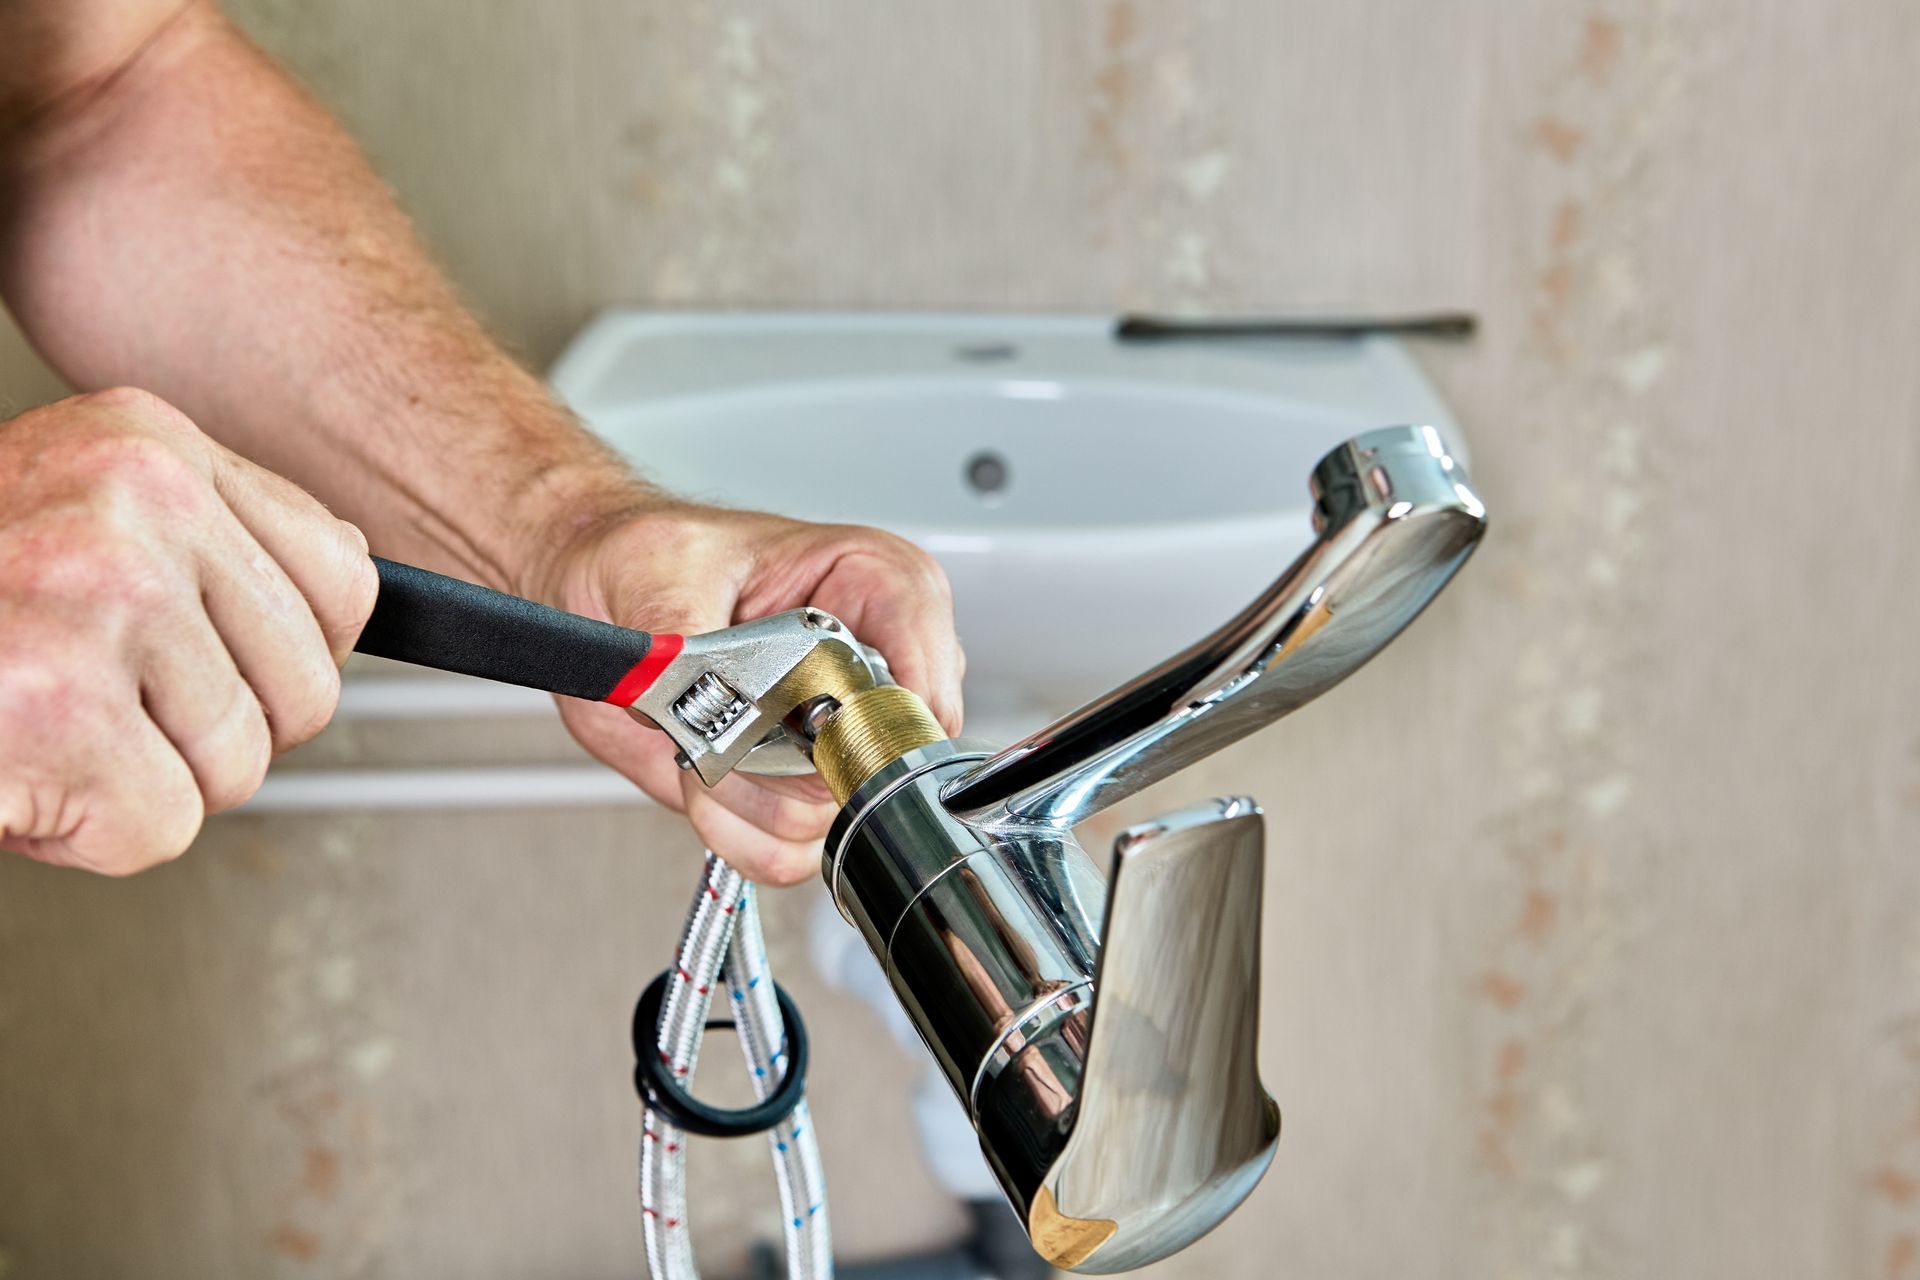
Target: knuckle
[915,561]
[792,864]
[172,833]
[105,566]
[867,537]
[149,584]
[169,811]
[30,687]
[340,583]
[240,758]
[799,821]
[307,707]
[43,691]
[359,586]
[136,404]
[163,830]
[145,853]
[357,543]
[137,466]
[936,578]
[119,861]
[927,568]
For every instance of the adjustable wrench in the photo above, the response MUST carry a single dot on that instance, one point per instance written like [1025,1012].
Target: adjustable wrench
[724,697]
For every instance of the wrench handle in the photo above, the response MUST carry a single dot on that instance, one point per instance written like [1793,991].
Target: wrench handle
[435,621]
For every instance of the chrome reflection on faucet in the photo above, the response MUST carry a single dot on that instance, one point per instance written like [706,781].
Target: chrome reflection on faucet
[1102,1033]
[1395,519]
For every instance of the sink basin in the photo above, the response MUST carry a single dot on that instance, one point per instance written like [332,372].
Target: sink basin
[1096,504]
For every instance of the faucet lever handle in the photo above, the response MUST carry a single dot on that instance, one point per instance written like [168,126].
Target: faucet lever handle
[1174,1127]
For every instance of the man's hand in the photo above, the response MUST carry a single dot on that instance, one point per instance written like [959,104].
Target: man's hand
[170,617]
[175,212]
[691,569]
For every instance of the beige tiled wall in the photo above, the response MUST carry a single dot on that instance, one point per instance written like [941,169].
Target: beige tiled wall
[1594,926]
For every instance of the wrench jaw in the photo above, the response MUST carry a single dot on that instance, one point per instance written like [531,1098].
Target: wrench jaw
[726,695]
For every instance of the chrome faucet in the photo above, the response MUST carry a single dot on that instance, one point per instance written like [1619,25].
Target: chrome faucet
[1395,519]
[1102,1033]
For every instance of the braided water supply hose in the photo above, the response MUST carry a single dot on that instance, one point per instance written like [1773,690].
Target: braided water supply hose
[866,732]
[723,940]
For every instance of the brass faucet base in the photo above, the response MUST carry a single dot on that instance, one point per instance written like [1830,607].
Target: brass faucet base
[871,730]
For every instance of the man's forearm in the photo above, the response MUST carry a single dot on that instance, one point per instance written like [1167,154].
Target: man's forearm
[198,226]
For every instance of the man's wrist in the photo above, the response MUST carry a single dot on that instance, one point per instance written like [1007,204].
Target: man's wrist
[567,505]
[563,505]
[520,484]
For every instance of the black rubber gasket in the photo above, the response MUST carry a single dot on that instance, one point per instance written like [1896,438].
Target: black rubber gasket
[656,1084]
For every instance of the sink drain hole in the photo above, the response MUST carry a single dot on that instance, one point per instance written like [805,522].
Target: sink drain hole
[987,474]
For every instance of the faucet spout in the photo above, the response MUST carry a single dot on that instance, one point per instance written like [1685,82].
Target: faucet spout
[1395,518]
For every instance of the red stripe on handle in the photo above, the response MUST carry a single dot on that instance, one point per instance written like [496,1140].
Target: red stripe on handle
[664,649]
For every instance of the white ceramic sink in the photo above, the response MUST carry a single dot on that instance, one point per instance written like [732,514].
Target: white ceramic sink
[1097,504]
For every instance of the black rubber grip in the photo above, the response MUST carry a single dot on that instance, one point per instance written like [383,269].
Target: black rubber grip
[440,622]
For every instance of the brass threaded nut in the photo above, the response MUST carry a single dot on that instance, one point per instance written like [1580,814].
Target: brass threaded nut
[871,730]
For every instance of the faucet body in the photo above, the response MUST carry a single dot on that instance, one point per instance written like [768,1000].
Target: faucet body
[1101,1030]
[992,937]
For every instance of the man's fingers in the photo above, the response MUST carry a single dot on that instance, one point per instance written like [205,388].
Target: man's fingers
[696,573]
[799,786]
[787,815]
[197,698]
[131,804]
[153,650]
[912,625]
[928,667]
[892,594]
[147,807]
[770,828]
[615,738]
[760,855]
[271,632]
[325,559]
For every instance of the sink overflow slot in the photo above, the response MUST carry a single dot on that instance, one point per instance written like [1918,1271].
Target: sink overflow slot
[986,352]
